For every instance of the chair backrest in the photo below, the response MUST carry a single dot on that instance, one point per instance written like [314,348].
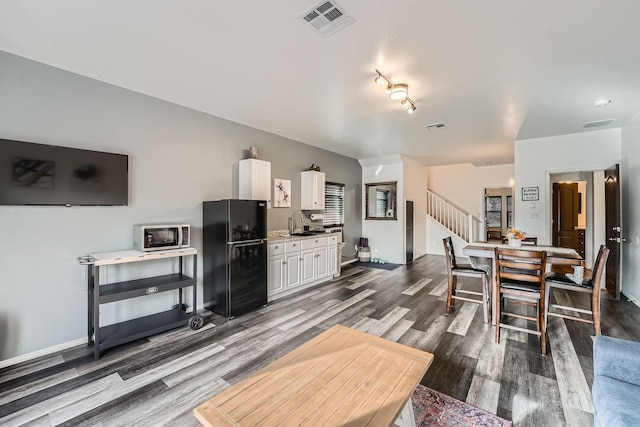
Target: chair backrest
[520,265]
[449,253]
[598,268]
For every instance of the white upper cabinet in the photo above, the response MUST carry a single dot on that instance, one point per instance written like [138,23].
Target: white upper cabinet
[312,190]
[254,180]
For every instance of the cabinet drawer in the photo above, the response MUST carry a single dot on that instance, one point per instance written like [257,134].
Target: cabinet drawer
[276,249]
[292,246]
[333,240]
[313,243]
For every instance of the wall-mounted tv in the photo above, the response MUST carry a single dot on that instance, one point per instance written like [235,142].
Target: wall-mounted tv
[38,174]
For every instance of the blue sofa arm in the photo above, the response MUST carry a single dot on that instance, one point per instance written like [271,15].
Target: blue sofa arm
[616,358]
[616,382]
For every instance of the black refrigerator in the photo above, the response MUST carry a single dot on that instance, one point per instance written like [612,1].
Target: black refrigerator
[234,256]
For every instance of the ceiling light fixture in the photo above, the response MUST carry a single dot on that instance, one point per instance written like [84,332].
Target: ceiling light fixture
[602,102]
[396,92]
[399,92]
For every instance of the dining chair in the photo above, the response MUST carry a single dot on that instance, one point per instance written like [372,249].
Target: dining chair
[519,275]
[589,285]
[454,292]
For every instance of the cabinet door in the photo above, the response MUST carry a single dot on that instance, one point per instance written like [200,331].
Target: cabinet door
[333,259]
[254,181]
[322,262]
[308,265]
[276,274]
[262,181]
[292,269]
[318,191]
[312,190]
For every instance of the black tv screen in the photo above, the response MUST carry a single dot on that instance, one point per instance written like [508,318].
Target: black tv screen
[38,174]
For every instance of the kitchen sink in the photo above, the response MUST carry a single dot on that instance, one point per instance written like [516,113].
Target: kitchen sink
[303,233]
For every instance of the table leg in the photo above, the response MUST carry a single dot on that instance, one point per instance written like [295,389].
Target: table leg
[407,418]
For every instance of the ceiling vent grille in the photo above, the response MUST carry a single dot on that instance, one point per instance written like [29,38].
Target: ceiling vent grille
[597,123]
[436,126]
[327,18]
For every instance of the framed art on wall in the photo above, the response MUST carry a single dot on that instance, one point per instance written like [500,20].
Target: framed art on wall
[281,193]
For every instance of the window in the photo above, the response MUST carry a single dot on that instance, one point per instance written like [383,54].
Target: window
[333,204]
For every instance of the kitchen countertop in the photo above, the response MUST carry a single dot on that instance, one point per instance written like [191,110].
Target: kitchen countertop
[282,236]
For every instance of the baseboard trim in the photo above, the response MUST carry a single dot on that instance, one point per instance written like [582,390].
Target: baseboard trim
[39,353]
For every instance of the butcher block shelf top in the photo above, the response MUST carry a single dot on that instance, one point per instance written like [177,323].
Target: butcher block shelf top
[341,377]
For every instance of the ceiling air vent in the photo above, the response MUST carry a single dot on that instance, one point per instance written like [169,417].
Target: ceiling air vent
[597,123]
[327,18]
[436,126]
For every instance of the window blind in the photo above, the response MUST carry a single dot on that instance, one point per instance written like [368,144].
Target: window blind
[333,204]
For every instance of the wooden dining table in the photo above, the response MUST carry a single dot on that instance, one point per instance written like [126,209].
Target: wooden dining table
[482,254]
[341,377]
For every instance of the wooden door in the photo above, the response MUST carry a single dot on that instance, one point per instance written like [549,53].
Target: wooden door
[613,223]
[409,231]
[565,215]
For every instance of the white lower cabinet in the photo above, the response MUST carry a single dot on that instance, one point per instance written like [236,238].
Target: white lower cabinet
[298,263]
[292,270]
[332,259]
[276,269]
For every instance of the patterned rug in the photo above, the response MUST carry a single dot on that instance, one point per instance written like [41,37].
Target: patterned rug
[433,408]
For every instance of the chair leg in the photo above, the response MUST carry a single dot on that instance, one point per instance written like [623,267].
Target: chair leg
[595,312]
[547,292]
[450,292]
[485,298]
[543,327]
[496,303]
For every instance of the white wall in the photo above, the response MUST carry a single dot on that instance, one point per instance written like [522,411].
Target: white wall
[536,158]
[178,158]
[464,184]
[386,237]
[415,186]
[630,168]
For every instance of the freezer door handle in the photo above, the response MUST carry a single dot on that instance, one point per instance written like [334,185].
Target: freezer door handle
[247,243]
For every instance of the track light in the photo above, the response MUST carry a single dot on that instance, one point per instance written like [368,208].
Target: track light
[396,92]
[399,91]
[381,81]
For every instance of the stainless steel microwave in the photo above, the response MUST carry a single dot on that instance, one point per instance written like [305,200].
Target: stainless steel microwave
[160,237]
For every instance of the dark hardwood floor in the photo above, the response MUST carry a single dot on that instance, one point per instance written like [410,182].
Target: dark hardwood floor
[158,381]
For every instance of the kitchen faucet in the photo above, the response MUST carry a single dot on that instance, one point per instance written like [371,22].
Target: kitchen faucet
[292,223]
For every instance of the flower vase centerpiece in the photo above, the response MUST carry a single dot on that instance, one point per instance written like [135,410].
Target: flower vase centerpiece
[516,237]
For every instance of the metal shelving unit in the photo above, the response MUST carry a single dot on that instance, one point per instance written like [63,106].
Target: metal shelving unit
[109,336]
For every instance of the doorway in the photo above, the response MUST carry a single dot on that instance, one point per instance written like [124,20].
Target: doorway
[498,212]
[569,215]
[590,207]
[409,231]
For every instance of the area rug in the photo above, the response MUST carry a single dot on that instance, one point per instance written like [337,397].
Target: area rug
[433,408]
[385,266]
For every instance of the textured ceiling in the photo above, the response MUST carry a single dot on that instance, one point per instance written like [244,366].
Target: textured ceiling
[492,71]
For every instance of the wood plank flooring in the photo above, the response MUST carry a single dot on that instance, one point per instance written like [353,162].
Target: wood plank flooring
[159,380]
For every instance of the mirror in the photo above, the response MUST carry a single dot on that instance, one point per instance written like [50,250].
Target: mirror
[381,201]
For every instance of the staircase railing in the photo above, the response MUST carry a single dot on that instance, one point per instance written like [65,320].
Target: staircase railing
[457,220]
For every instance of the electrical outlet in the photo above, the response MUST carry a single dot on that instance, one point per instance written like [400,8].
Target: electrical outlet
[535,215]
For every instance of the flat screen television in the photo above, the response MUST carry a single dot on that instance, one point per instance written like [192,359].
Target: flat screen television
[38,174]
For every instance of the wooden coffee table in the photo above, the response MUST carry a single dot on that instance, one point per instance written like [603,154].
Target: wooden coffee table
[341,377]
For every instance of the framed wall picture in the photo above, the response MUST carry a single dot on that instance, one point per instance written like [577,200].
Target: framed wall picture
[530,193]
[281,193]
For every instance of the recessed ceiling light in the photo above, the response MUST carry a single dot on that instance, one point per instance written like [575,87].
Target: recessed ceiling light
[602,102]
[488,163]
[278,130]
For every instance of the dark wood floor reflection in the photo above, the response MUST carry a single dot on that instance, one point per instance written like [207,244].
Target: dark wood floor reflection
[158,381]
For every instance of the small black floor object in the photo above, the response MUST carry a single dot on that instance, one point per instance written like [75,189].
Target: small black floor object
[385,266]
